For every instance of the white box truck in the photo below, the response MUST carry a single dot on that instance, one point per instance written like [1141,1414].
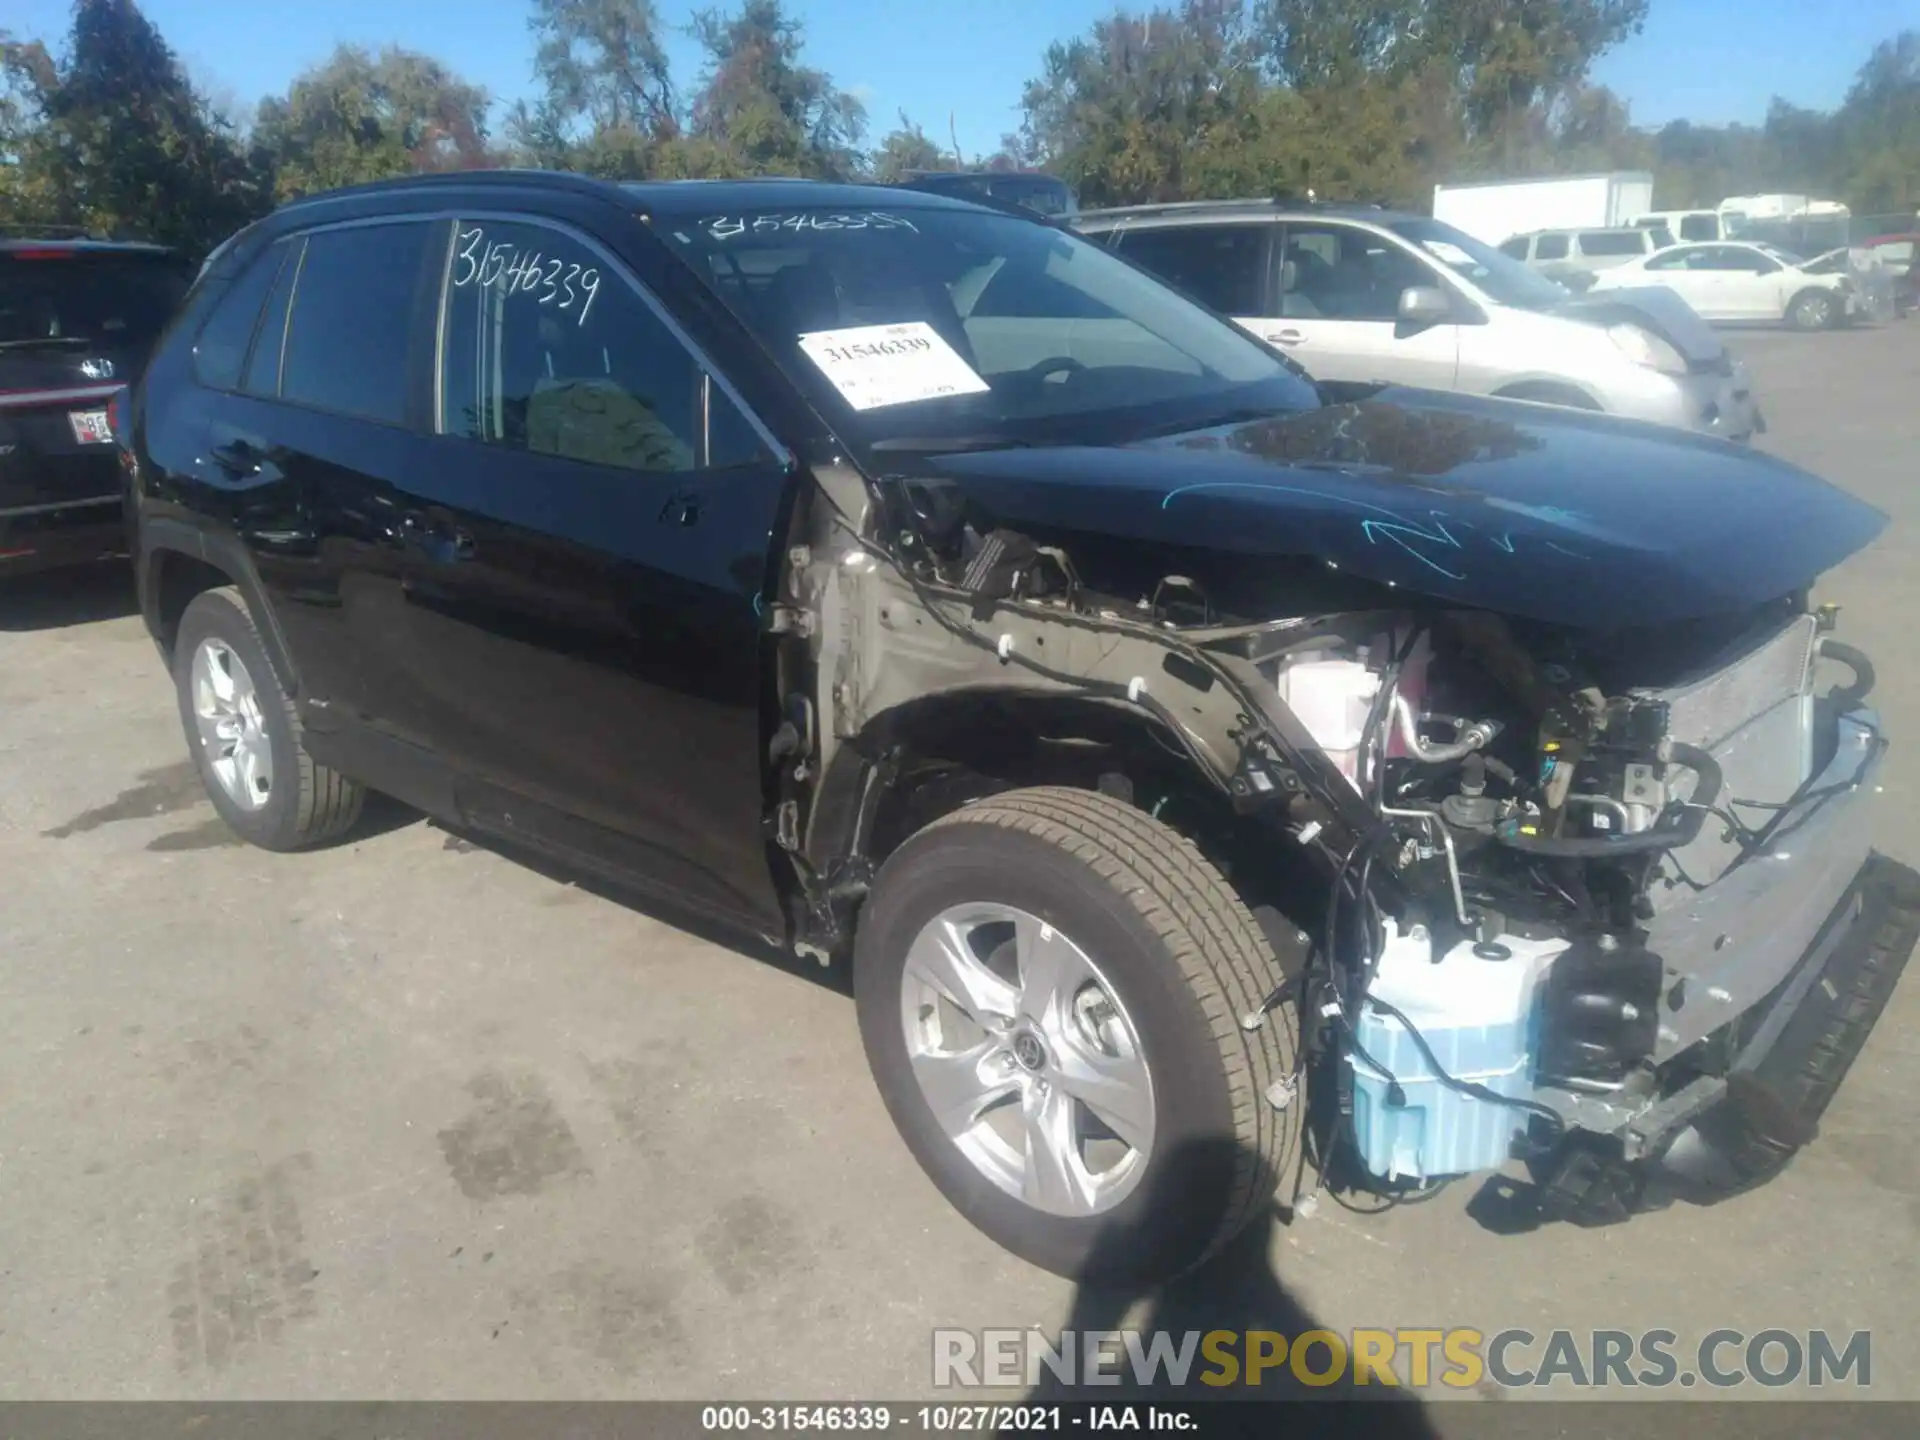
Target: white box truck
[1493,210]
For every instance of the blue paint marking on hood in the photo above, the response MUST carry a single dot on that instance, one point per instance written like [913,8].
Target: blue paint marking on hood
[1543,514]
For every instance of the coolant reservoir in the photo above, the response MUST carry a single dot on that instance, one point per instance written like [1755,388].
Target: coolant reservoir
[1331,697]
[1476,1014]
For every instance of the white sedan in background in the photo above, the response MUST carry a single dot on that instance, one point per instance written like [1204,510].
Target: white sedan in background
[1734,280]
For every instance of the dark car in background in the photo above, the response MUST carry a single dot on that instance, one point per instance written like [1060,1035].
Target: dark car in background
[77,318]
[1046,194]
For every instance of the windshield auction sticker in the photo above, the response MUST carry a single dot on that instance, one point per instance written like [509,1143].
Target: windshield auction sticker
[878,365]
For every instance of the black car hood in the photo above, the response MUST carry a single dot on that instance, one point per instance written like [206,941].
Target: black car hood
[1528,510]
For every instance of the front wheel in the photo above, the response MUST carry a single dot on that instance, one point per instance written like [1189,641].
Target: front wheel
[1049,985]
[1812,310]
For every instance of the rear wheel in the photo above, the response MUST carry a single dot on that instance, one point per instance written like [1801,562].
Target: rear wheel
[1049,985]
[245,734]
[1811,310]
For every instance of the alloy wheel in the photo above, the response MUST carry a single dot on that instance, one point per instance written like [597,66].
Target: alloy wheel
[233,730]
[1027,1059]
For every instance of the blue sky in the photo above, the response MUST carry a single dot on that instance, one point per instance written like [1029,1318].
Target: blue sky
[1709,60]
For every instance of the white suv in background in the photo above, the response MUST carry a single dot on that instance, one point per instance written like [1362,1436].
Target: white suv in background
[1574,257]
[1360,297]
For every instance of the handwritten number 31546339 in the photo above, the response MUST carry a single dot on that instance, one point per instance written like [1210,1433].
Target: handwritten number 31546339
[561,284]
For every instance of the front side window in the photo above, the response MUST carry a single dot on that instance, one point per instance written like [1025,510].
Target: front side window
[1499,278]
[1516,247]
[1550,247]
[1340,272]
[547,349]
[924,326]
[1700,227]
[350,331]
[1218,265]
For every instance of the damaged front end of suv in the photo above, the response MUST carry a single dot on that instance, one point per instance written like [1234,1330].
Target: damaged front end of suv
[1552,811]
[1195,768]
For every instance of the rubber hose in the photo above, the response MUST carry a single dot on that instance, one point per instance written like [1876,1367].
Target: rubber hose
[1851,695]
[1599,848]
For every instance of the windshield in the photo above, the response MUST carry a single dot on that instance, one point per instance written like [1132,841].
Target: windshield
[63,297]
[945,328]
[1501,278]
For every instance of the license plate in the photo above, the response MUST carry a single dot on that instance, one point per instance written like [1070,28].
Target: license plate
[90,427]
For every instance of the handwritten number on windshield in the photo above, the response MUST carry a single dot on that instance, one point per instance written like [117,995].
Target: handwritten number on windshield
[506,267]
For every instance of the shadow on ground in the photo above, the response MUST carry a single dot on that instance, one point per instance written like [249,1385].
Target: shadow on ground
[56,599]
[837,977]
[1237,1292]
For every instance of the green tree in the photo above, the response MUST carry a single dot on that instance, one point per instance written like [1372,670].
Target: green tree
[907,149]
[779,115]
[115,138]
[1120,111]
[1879,129]
[359,117]
[602,66]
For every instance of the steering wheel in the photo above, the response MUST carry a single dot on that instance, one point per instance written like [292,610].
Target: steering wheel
[1053,365]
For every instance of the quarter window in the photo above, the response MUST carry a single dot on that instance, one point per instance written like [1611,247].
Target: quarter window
[548,350]
[349,335]
[221,350]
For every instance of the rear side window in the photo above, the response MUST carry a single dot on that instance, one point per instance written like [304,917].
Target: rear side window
[548,350]
[1219,265]
[1550,247]
[221,350]
[62,297]
[349,334]
[263,365]
[1611,242]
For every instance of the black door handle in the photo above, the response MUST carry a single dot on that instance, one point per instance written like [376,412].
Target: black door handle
[438,541]
[238,458]
[682,508]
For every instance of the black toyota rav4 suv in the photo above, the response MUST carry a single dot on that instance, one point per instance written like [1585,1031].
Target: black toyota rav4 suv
[1185,763]
[77,318]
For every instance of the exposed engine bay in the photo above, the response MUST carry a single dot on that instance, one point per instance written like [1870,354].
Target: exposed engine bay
[1539,846]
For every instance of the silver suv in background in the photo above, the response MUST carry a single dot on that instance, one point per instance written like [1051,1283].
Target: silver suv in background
[1361,296]
[1574,257]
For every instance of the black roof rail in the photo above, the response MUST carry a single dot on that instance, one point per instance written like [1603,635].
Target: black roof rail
[51,232]
[501,177]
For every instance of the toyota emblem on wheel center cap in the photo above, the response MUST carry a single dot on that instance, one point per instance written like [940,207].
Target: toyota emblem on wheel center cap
[1028,1050]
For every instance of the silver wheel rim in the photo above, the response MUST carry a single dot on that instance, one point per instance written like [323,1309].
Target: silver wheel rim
[1027,1059]
[233,732]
